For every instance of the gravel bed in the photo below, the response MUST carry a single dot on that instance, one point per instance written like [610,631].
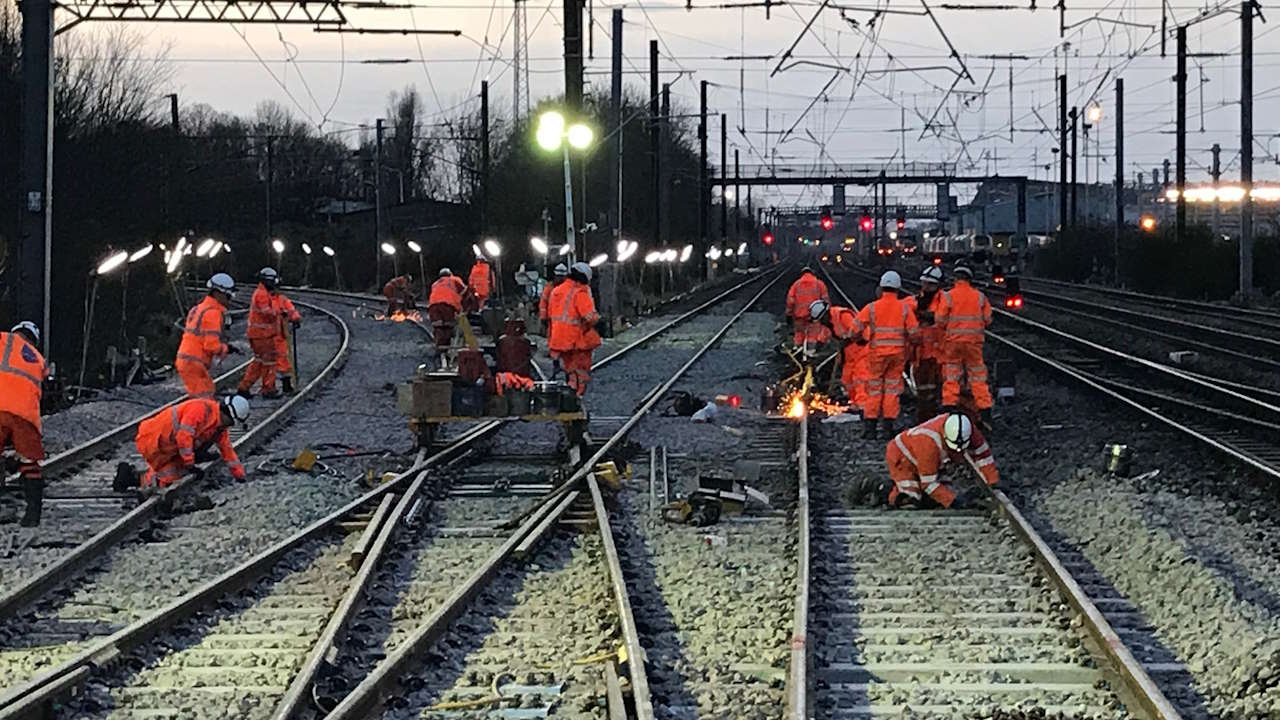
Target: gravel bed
[140,577]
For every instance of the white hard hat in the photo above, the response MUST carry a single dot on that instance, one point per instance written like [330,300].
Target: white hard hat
[957,431]
[963,270]
[28,327]
[445,272]
[931,274]
[561,270]
[223,283]
[818,309]
[583,269]
[237,406]
[269,274]
[891,280]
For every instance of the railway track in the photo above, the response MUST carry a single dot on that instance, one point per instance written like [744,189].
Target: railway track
[952,614]
[272,636]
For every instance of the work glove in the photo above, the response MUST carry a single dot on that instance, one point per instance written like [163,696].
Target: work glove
[233,349]
[196,473]
[296,323]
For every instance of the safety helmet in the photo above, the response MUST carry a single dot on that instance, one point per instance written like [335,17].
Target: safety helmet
[28,327]
[445,272]
[891,280]
[222,282]
[583,269]
[561,270]
[268,276]
[806,269]
[818,309]
[237,406]
[963,271]
[931,274]
[957,431]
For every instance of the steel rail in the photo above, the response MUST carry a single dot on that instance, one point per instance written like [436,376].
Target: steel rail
[36,698]
[1139,685]
[1166,300]
[68,565]
[641,700]
[797,705]
[531,527]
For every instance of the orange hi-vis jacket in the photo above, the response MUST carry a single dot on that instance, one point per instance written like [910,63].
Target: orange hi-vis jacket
[544,303]
[933,336]
[573,318]
[396,285]
[22,374]
[924,448]
[264,315]
[202,336]
[447,291]
[481,278]
[285,311]
[181,429]
[845,324]
[970,314]
[890,325]
[802,293]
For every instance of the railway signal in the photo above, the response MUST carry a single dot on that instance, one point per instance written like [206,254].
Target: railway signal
[827,222]
[767,238]
[902,218]
[865,223]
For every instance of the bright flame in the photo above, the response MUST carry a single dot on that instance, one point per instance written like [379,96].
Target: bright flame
[794,405]
[796,408]
[400,316]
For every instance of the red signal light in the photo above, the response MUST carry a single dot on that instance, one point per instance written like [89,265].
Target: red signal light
[937,260]
[827,222]
[1013,301]
[866,223]
[901,223]
[735,401]
[768,238]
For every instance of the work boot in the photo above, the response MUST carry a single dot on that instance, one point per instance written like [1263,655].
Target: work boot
[888,428]
[984,418]
[286,382]
[869,428]
[244,393]
[33,491]
[126,478]
[271,394]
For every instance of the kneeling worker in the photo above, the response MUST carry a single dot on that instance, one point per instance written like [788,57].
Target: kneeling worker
[846,327]
[22,375]
[917,456]
[170,440]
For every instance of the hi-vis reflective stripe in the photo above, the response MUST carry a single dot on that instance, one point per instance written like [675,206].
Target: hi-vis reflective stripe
[196,327]
[985,462]
[905,452]
[935,437]
[980,449]
[931,483]
[7,367]
[192,358]
[565,316]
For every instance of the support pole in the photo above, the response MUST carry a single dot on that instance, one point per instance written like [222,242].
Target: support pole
[377,204]
[615,119]
[1216,172]
[1062,151]
[484,157]
[573,56]
[737,198]
[35,171]
[655,142]
[1180,136]
[1075,135]
[724,173]
[1246,147]
[1119,224]
[664,168]
[703,190]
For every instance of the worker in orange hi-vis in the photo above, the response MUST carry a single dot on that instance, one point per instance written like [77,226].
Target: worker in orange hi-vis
[966,329]
[932,308]
[288,314]
[399,294]
[22,376]
[917,456]
[202,337]
[264,333]
[573,327]
[443,306]
[891,327]
[481,281]
[544,303]
[171,440]
[800,296]
[846,327]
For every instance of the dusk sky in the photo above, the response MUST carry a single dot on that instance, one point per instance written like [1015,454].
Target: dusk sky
[330,83]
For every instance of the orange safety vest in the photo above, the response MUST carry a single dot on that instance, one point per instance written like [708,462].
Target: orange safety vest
[264,317]
[970,314]
[845,324]
[544,303]
[285,310]
[803,292]
[932,336]
[573,318]
[480,277]
[447,291]
[22,374]
[202,336]
[890,325]
[181,429]
[924,448]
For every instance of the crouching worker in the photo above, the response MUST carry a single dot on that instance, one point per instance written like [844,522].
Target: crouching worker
[846,327]
[171,440]
[917,456]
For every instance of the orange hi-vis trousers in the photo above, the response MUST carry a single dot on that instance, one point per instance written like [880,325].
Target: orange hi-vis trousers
[263,366]
[965,360]
[577,367]
[884,386]
[195,378]
[906,481]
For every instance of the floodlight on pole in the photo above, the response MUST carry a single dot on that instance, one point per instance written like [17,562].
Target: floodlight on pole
[112,262]
[652,257]
[627,249]
[175,260]
[218,247]
[686,253]
[580,136]
[388,248]
[599,260]
[476,250]
[327,251]
[141,253]
[306,248]
[278,246]
[415,247]
[493,248]
[205,246]
[742,248]
[182,243]
[565,249]
[539,245]
[1093,113]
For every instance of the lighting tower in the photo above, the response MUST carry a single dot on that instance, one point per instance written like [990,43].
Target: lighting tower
[520,61]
